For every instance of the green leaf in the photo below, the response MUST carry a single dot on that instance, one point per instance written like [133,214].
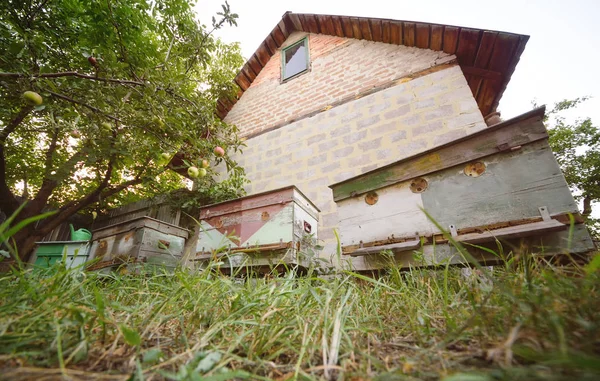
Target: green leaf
[152,356]
[594,265]
[208,362]
[131,336]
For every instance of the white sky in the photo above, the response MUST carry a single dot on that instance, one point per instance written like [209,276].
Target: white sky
[560,60]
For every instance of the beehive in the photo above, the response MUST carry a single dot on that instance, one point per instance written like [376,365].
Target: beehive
[502,183]
[274,228]
[142,240]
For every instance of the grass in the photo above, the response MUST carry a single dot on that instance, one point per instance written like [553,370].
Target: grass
[522,321]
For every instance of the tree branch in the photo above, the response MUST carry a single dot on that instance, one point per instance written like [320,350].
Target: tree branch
[14,123]
[8,201]
[68,99]
[72,74]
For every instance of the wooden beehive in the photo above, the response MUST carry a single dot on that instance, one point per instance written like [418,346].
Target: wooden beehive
[141,240]
[269,229]
[502,183]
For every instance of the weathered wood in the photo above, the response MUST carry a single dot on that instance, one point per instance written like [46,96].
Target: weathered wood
[356,29]
[310,23]
[396,32]
[551,244]
[347,26]
[511,232]
[397,213]
[468,42]
[376,30]
[437,37]
[278,34]
[143,239]
[271,45]
[262,54]
[339,28]
[523,130]
[513,186]
[394,247]
[256,230]
[254,66]
[295,20]
[450,39]
[422,35]
[483,73]
[386,30]
[259,200]
[365,29]
[409,33]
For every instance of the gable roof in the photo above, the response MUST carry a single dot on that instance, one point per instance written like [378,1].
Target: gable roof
[487,58]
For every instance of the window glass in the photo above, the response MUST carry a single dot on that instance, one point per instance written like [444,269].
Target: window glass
[295,59]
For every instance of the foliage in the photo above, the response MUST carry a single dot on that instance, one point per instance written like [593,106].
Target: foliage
[576,146]
[122,82]
[526,320]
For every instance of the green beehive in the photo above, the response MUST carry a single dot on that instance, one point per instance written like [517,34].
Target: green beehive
[74,252]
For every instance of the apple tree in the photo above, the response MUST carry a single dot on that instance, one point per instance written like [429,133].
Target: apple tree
[576,146]
[98,95]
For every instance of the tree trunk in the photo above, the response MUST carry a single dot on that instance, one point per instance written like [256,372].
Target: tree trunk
[587,207]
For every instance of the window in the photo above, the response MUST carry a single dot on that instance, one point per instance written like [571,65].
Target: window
[294,59]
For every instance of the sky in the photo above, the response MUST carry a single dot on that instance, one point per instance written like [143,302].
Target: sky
[559,62]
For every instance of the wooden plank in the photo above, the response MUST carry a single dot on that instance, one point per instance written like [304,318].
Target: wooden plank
[474,83]
[347,26]
[409,34]
[254,67]
[450,39]
[483,73]
[437,37]
[396,32]
[311,23]
[262,53]
[247,71]
[468,42]
[397,213]
[271,45]
[511,232]
[484,53]
[422,35]
[365,29]
[513,187]
[502,54]
[286,26]
[329,26]
[395,247]
[278,34]
[483,143]
[296,23]
[242,81]
[376,29]
[386,31]
[337,24]
[322,21]
[356,32]
[283,195]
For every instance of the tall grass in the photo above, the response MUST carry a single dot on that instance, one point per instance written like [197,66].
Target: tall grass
[527,320]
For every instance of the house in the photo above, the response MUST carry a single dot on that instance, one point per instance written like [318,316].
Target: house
[327,98]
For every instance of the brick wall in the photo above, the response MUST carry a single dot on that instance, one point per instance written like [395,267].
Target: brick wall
[340,67]
[359,136]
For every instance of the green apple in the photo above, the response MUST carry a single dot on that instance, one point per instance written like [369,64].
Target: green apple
[202,172]
[165,156]
[33,98]
[193,171]
[205,163]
